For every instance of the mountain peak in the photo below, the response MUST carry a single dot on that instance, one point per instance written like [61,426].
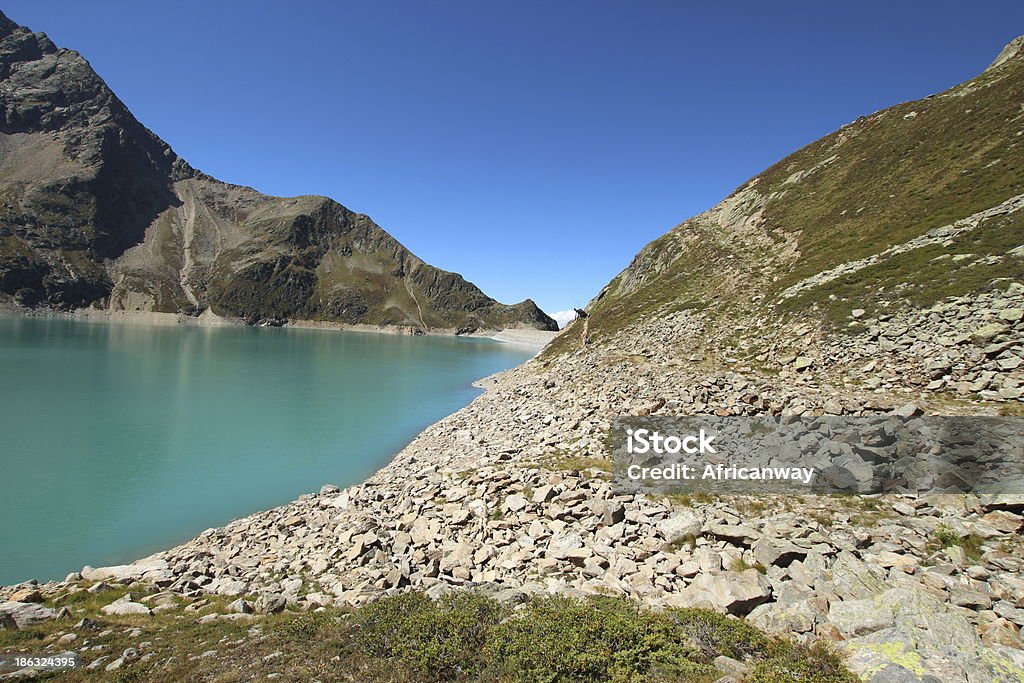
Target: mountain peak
[1013,49]
[97,211]
[6,24]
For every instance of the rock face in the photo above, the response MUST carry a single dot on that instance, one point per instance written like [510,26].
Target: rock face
[96,211]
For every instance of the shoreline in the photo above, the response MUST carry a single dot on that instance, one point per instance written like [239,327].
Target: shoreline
[526,337]
[209,319]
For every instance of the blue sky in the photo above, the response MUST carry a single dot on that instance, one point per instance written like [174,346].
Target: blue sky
[533,147]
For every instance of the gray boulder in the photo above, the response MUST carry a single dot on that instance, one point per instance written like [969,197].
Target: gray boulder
[734,592]
[24,614]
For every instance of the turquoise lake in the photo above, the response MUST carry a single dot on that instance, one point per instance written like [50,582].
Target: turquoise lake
[120,439]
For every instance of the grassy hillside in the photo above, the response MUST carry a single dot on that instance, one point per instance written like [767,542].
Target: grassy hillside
[876,183]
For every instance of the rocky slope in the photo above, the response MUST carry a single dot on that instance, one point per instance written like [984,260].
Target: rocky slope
[878,270]
[96,211]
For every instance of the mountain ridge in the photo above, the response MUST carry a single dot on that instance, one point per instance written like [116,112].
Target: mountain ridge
[97,211]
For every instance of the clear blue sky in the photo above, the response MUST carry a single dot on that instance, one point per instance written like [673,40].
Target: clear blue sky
[533,147]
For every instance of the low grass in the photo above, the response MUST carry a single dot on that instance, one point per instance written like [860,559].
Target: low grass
[741,565]
[563,461]
[410,638]
[690,500]
[946,536]
[921,277]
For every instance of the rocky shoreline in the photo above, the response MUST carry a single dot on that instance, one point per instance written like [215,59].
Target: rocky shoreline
[511,496]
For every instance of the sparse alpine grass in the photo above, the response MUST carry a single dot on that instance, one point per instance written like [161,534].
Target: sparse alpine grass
[411,638]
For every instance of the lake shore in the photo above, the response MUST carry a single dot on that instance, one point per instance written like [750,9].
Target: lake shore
[228,394]
[524,337]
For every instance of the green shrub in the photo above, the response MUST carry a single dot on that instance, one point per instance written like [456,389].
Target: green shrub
[305,626]
[946,536]
[798,663]
[715,634]
[558,639]
[430,640]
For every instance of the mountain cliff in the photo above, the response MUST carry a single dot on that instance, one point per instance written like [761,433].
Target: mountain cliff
[97,211]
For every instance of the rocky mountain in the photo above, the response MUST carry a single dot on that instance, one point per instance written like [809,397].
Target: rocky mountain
[97,211]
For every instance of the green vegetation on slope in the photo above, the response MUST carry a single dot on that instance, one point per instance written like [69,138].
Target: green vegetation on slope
[973,263]
[877,182]
[901,172]
[410,638]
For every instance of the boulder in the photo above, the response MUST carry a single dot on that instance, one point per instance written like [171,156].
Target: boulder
[24,614]
[231,588]
[270,603]
[786,618]
[733,592]
[515,503]
[771,551]
[543,494]
[240,606]
[561,544]
[908,628]
[737,534]
[124,573]
[610,512]
[125,606]
[27,595]
[681,525]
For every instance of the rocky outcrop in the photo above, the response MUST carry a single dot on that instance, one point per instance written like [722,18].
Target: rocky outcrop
[96,211]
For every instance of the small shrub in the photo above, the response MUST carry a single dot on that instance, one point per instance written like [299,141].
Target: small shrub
[306,626]
[822,517]
[560,639]
[799,663]
[741,565]
[946,536]
[436,640]
[686,541]
[716,634]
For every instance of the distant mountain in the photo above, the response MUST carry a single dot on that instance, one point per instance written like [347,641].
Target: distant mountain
[900,209]
[97,211]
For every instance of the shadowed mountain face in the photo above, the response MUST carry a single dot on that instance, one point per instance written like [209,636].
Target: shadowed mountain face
[95,210]
[901,208]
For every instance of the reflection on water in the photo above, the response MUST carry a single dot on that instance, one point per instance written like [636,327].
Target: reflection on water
[122,439]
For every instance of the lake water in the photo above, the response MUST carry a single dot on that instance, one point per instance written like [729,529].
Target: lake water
[119,440]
